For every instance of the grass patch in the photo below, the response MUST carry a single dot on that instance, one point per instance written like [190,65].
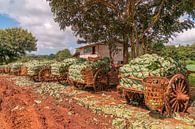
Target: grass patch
[190,62]
[192,79]
[191,67]
[191,76]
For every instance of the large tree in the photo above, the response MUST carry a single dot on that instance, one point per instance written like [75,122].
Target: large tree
[133,22]
[14,43]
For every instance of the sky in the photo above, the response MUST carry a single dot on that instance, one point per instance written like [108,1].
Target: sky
[36,16]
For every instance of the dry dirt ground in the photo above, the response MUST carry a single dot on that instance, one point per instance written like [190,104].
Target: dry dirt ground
[22,108]
[28,105]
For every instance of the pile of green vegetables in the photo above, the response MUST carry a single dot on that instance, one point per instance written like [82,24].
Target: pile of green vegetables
[12,66]
[148,65]
[75,70]
[51,89]
[34,66]
[15,66]
[61,68]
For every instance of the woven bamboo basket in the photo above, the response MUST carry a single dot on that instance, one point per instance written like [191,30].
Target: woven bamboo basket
[154,93]
[23,71]
[88,76]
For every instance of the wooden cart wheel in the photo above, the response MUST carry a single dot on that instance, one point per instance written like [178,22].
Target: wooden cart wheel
[178,94]
[101,80]
[44,74]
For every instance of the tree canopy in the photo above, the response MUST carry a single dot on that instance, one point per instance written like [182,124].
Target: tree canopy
[14,43]
[134,22]
[63,54]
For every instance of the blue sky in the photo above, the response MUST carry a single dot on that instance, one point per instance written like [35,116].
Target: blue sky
[36,16]
[7,22]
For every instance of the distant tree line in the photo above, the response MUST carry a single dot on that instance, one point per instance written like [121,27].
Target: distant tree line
[59,56]
[180,53]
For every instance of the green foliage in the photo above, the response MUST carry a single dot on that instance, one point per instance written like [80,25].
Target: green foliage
[191,77]
[14,43]
[155,47]
[185,54]
[59,56]
[171,51]
[180,53]
[27,58]
[63,54]
[190,62]
[123,21]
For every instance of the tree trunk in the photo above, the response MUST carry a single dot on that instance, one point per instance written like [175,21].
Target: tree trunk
[110,54]
[137,48]
[125,53]
[132,48]
[143,45]
[131,13]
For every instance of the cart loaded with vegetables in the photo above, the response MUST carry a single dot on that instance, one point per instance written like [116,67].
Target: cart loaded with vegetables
[90,74]
[37,70]
[160,83]
[50,71]
[13,68]
[59,70]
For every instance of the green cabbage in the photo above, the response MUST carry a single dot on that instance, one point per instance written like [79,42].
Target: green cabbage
[149,64]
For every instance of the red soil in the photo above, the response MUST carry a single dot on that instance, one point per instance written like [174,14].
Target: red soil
[22,108]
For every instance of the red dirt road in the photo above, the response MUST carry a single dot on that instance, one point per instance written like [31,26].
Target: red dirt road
[22,108]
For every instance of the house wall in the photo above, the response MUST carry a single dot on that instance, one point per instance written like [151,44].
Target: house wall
[103,51]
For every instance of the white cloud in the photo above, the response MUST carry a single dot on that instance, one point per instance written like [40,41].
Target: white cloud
[187,37]
[36,16]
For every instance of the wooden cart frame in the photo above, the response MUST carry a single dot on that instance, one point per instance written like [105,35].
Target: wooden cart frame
[41,74]
[45,75]
[173,97]
[97,79]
